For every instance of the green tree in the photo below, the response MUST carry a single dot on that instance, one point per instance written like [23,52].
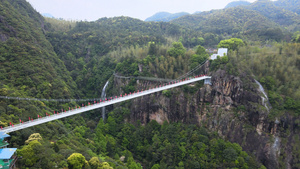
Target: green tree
[105,165]
[296,37]
[231,44]
[29,153]
[167,93]
[34,136]
[198,58]
[177,49]
[152,49]
[155,166]
[100,138]
[76,161]
[95,163]
[230,154]
[132,164]
[268,82]
[201,51]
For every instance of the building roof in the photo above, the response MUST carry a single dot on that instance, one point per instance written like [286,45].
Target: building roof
[214,56]
[3,135]
[222,51]
[6,153]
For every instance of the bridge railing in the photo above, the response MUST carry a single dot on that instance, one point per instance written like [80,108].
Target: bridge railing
[105,102]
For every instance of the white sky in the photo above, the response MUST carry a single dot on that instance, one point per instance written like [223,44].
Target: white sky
[94,9]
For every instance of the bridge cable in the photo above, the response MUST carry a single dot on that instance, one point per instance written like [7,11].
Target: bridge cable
[97,99]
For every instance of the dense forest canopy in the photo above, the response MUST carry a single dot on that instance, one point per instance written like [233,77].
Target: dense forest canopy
[57,59]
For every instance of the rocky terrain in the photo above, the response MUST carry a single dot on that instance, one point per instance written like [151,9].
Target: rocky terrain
[232,106]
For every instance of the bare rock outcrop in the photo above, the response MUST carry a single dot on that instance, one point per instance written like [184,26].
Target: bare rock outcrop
[231,106]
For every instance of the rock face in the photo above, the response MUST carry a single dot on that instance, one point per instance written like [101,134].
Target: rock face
[231,106]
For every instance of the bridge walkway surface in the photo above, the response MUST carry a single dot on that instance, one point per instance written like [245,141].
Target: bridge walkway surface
[112,100]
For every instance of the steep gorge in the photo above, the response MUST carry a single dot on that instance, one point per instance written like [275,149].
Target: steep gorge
[232,107]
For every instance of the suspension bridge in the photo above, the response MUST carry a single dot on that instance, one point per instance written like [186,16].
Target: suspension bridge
[100,103]
[103,103]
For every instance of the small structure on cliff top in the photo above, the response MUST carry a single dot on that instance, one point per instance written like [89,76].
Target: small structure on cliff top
[7,157]
[221,52]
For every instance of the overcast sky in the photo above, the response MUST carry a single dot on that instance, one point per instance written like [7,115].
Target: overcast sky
[94,9]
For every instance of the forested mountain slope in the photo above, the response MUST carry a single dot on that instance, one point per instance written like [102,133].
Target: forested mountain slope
[291,5]
[185,127]
[261,18]
[285,18]
[29,66]
[232,21]
[83,46]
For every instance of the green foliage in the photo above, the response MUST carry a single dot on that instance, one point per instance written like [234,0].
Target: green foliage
[105,165]
[29,66]
[283,91]
[95,163]
[152,49]
[34,136]
[167,93]
[198,58]
[215,64]
[276,66]
[155,166]
[30,153]
[190,89]
[231,44]
[296,37]
[238,22]
[177,50]
[276,100]
[63,59]
[76,161]
[268,82]
[171,145]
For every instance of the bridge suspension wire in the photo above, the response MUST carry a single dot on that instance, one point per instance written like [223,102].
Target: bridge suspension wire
[161,79]
[49,100]
[191,71]
[97,99]
[144,78]
[47,117]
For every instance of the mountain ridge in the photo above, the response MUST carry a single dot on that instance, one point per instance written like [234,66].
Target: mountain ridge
[165,16]
[237,3]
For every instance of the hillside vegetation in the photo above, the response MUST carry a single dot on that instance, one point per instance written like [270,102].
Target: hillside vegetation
[276,68]
[57,59]
[261,20]
[29,66]
[233,21]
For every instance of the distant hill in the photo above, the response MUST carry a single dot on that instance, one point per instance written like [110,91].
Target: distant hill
[277,14]
[232,21]
[197,12]
[165,16]
[47,15]
[292,5]
[237,3]
[262,18]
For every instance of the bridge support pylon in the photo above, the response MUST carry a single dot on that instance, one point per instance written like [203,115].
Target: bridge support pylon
[207,81]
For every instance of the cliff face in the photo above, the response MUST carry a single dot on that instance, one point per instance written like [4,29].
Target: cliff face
[232,106]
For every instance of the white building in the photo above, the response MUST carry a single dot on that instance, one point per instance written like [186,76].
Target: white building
[221,52]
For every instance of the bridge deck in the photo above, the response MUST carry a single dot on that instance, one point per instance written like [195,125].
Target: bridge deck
[97,105]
